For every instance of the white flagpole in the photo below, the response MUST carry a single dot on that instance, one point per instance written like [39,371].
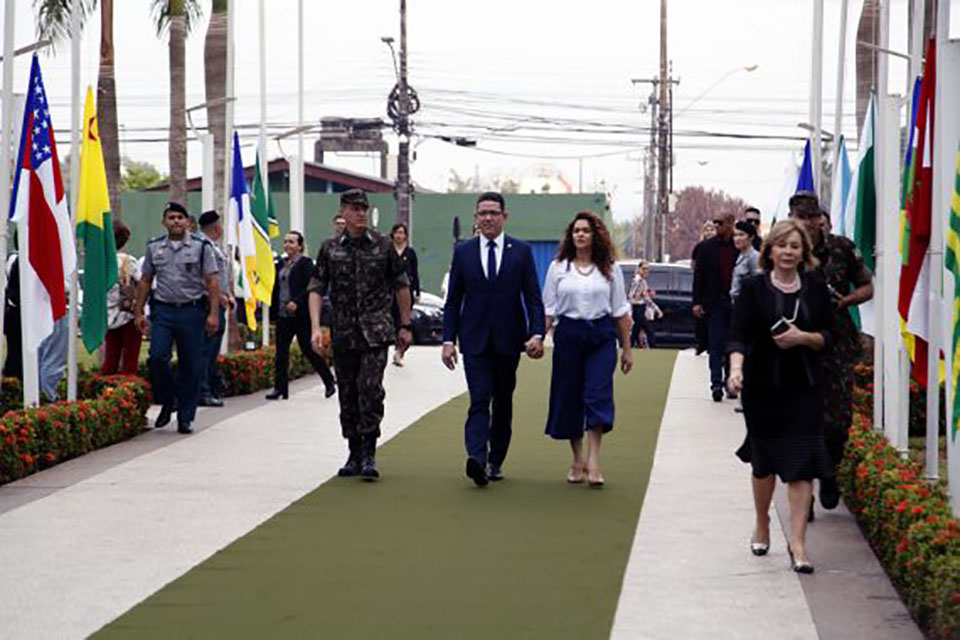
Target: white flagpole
[816,93]
[838,111]
[5,152]
[227,174]
[75,122]
[296,194]
[265,314]
[948,131]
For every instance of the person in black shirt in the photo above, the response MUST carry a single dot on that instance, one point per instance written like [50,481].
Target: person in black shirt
[712,275]
[408,256]
[752,215]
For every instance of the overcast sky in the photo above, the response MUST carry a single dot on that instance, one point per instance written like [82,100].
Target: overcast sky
[485,70]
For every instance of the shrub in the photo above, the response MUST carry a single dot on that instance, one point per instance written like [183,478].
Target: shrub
[907,520]
[40,437]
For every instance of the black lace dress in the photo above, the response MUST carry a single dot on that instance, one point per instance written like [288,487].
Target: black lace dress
[782,388]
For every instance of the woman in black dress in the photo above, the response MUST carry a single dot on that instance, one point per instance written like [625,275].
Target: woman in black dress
[408,256]
[781,322]
[293,316]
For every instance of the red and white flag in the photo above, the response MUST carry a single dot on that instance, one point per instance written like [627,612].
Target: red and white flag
[38,205]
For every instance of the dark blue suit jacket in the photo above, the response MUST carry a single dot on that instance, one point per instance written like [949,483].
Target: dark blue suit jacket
[507,311]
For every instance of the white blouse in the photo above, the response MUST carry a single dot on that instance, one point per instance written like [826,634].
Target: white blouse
[567,292]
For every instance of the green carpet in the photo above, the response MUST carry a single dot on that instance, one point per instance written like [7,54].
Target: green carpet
[424,553]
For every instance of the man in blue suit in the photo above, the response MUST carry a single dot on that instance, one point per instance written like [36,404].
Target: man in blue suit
[494,311]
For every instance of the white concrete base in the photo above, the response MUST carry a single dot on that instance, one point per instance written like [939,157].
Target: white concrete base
[75,560]
[691,573]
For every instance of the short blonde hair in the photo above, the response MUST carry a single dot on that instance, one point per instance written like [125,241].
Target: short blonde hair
[780,231]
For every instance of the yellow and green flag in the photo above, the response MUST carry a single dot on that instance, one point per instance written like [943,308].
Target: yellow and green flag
[95,230]
[261,210]
[952,263]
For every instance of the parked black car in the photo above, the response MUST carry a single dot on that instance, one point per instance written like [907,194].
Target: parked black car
[427,320]
[672,285]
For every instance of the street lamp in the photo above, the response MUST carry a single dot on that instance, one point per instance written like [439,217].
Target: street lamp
[750,68]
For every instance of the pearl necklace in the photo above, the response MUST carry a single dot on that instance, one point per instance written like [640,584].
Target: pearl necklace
[784,286]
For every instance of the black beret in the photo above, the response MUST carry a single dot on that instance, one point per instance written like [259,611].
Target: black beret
[354,196]
[176,206]
[208,217]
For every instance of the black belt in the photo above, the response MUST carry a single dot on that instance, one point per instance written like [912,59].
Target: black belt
[199,302]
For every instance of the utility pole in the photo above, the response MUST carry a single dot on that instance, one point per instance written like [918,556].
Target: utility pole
[650,172]
[663,157]
[403,103]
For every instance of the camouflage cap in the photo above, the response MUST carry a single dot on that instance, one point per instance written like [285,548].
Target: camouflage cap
[354,196]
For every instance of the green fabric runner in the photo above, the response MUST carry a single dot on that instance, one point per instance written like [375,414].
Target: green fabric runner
[424,553]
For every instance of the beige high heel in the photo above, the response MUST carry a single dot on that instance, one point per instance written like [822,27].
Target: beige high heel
[576,474]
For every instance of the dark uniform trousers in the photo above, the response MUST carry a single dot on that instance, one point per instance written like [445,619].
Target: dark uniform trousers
[360,381]
[209,383]
[183,325]
[287,329]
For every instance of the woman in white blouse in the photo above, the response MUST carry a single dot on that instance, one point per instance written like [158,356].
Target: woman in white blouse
[586,304]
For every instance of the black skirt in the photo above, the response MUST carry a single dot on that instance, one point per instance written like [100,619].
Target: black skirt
[785,433]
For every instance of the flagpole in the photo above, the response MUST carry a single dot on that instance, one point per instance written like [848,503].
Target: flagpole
[297,198]
[227,173]
[74,196]
[841,77]
[816,93]
[265,306]
[5,153]
[948,131]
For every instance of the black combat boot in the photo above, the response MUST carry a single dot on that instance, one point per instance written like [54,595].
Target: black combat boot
[352,467]
[368,464]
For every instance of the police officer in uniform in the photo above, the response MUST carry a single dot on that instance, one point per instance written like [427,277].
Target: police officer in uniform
[850,282]
[212,229]
[184,307]
[362,274]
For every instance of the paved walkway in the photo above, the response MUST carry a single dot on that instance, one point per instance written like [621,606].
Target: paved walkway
[82,543]
[691,574]
[88,550]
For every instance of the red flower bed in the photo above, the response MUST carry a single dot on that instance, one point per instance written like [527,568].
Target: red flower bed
[40,437]
[907,520]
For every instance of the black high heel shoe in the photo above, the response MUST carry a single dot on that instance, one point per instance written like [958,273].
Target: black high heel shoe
[799,566]
[276,395]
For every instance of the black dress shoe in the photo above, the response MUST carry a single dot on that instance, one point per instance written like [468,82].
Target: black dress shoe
[476,472]
[494,473]
[163,418]
[332,389]
[210,401]
[276,395]
[184,427]
[829,493]
[717,394]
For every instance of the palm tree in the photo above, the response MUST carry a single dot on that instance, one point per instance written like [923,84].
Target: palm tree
[53,21]
[177,16]
[215,70]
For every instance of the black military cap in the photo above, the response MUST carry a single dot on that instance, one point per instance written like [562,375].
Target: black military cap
[208,217]
[806,203]
[354,196]
[175,206]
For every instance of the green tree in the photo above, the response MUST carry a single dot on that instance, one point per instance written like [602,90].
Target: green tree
[175,17]
[140,175]
[53,21]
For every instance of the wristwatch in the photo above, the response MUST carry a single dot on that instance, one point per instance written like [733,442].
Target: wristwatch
[408,327]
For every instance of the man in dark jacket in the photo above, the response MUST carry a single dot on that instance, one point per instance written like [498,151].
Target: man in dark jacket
[712,276]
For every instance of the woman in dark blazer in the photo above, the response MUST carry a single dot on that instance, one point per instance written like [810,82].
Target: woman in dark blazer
[782,320]
[408,256]
[289,307]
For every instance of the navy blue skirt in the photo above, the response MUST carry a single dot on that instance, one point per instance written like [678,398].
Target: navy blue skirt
[581,386]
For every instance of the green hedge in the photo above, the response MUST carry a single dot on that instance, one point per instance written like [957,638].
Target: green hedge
[907,520]
[115,409]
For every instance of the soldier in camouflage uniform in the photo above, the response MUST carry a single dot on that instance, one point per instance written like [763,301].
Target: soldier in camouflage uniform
[362,273]
[851,283]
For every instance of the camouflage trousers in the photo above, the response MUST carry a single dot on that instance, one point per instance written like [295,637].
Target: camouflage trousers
[360,389]
[837,405]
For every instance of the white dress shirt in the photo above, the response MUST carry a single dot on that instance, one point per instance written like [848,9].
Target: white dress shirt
[484,250]
[567,292]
